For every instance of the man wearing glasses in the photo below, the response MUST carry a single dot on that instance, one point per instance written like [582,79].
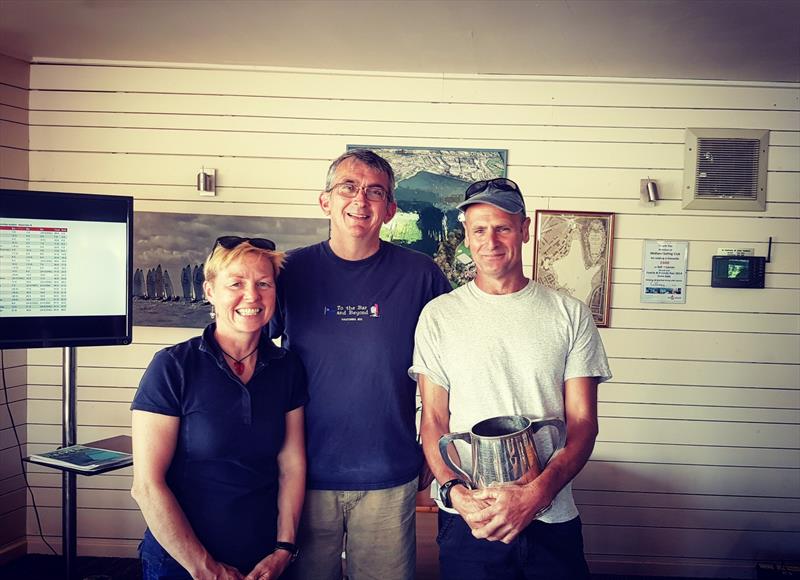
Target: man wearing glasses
[348,306]
[505,345]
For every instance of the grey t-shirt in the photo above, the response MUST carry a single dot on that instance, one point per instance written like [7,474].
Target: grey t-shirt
[508,354]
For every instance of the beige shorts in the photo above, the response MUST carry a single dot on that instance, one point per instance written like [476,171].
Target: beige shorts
[365,534]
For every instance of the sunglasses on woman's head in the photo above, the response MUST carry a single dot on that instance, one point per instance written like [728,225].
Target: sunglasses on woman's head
[230,242]
[500,183]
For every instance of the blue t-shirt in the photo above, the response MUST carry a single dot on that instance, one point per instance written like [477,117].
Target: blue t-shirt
[224,473]
[352,324]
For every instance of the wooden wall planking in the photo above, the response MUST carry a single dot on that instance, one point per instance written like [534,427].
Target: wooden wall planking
[700,430]
[14,173]
[415,87]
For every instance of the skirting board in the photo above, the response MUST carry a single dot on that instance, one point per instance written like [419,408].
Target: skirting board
[13,550]
[110,548]
[681,567]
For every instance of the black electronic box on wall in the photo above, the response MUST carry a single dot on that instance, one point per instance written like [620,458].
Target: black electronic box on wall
[738,271]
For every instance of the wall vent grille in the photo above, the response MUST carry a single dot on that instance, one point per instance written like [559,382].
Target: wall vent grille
[725,169]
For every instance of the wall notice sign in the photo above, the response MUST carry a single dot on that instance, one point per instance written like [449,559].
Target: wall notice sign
[664,272]
[736,252]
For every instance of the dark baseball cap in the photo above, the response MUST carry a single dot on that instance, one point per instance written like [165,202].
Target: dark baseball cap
[502,193]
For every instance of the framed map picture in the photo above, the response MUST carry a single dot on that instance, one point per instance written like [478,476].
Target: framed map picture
[572,253]
[430,182]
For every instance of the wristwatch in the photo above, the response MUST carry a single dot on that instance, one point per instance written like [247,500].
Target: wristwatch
[444,491]
[289,547]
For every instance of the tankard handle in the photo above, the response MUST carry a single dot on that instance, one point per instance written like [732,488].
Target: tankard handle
[560,442]
[444,441]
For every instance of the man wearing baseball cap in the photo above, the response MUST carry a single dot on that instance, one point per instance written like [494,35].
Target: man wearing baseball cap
[505,345]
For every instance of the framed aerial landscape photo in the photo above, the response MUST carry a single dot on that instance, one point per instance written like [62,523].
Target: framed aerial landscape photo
[170,250]
[572,253]
[430,183]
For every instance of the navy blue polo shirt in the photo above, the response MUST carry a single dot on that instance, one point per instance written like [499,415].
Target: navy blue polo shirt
[352,324]
[224,472]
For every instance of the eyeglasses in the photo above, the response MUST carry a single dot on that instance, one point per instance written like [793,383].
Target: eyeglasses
[230,242]
[500,183]
[350,190]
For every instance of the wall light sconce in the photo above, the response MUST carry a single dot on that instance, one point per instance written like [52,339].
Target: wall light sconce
[648,190]
[207,182]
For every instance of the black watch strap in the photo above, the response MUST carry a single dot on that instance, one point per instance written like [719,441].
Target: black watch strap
[444,491]
[289,547]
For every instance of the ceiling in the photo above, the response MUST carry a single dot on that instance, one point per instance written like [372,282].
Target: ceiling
[742,40]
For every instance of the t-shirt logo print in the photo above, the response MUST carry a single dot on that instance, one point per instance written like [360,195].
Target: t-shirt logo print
[351,312]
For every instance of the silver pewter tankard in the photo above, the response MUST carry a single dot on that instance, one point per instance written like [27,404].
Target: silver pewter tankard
[503,449]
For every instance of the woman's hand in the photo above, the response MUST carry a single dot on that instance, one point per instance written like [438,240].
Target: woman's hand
[270,567]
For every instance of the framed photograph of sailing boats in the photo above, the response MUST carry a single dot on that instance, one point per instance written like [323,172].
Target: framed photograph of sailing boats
[572,253]
[169,254]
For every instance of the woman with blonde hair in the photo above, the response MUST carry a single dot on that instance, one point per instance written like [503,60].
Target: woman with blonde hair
[219,454]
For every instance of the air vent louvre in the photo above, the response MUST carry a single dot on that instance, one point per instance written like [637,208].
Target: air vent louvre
[725,169]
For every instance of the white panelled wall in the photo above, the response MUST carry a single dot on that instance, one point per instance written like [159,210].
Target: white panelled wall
[697,466]
[14,83]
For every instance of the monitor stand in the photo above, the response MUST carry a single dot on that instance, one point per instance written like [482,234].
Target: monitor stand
[69,499]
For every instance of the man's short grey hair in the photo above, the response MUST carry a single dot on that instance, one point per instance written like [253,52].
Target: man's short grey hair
[368,158]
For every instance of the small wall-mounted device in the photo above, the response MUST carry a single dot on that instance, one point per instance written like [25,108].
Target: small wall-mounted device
[648,191]
[207,181]
[739,271]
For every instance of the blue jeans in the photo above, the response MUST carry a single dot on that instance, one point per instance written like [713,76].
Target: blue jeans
[157,564]
[541,552]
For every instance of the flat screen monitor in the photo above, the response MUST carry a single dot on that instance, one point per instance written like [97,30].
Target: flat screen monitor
[65,269]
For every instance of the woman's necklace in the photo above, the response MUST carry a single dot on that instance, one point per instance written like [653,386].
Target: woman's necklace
[238,366]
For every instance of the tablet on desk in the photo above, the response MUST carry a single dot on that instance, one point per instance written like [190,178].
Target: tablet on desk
[83,458]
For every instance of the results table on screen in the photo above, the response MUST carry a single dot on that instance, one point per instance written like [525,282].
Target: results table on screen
[33,270]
